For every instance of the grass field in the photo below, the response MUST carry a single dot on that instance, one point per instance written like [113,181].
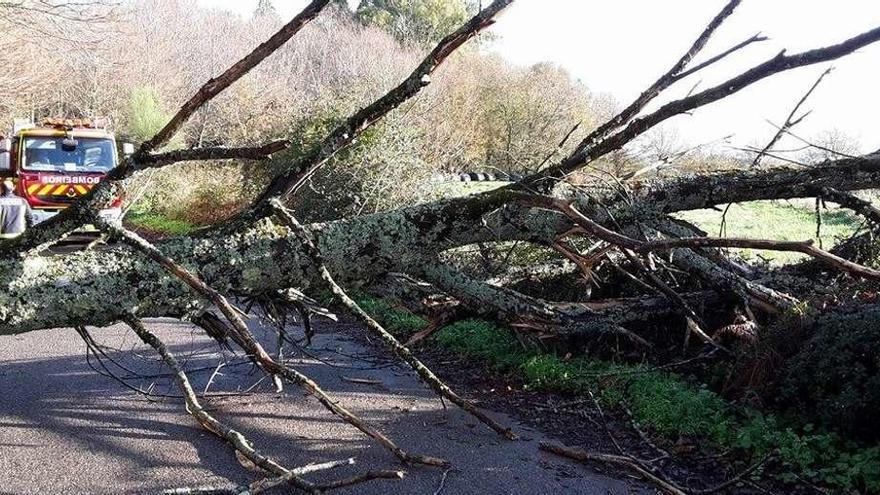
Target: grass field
[778,220]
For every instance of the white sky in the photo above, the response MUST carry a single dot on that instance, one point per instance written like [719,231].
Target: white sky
[619,47]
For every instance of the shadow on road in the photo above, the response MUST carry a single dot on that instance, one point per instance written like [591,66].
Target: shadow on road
[66,429]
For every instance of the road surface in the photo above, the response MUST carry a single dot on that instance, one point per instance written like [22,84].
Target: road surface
[66,429]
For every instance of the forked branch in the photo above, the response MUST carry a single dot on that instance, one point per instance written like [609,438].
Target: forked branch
[790,121]
[399,349]
[245,338]
[780,63]
[194,407]
[666,80]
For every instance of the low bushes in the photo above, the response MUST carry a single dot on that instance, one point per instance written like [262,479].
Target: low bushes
[835,377]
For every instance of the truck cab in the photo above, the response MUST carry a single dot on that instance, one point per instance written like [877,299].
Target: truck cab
[59,161]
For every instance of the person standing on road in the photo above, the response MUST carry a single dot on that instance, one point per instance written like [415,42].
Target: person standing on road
[15,212]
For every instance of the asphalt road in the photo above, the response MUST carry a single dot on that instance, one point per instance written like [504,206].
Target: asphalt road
[64,428]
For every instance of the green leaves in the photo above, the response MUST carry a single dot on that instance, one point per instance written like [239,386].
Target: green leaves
[414,21]
[145,114]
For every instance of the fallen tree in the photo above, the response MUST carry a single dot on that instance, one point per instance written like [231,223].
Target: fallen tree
[264,251]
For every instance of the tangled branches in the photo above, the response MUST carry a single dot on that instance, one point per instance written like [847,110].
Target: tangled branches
[264,253]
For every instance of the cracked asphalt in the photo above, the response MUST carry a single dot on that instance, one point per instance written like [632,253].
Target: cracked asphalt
[65,428]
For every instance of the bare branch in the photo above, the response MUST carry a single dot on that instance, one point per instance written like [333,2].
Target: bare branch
[739,46]
[559,146]
[616,460]
[666,80]
[805,247]
[775,65]
[694,321]
[368,476]
[810,144]
[220,153]
[236,439]
[399,349]
[854,203]
[265,484]
[290,182]
[790,120]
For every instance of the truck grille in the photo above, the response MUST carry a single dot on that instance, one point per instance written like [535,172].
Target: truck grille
[58,193]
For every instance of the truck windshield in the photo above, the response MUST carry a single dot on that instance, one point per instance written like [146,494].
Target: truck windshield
[48,154]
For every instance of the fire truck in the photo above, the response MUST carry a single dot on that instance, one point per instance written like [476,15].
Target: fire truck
[57,161]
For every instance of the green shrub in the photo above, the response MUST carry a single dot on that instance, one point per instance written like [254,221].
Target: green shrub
[835,377]
[414,21]
[145,114]
[399,321]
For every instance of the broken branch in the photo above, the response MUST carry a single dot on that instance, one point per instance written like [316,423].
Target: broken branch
[399,349]
[244,338]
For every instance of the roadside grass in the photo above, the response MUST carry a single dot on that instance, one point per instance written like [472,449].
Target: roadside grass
[674,407]
[399,321]
[159,224]
[669,404]
[779,220]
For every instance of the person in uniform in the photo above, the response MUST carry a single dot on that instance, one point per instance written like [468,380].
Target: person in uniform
[15,212]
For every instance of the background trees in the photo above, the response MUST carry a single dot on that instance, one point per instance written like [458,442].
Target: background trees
[481,113]
[420,22]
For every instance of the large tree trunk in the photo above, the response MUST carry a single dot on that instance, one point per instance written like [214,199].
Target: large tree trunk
[98,287]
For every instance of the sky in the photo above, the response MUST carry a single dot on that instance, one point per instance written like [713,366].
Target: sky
[620,47]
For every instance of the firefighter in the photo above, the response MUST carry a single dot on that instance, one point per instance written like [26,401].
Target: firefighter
[15,213]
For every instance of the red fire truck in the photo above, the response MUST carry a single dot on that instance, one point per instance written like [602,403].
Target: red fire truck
[58,161]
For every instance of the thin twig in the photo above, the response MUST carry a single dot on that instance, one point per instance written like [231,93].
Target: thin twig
[617,460]
[194,407]
[790,121]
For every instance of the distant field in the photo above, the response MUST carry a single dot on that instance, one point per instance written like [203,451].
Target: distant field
[777,220]
[452,189]
[780,220]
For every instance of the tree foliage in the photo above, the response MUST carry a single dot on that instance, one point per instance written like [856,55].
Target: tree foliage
[145,114]
[416,21]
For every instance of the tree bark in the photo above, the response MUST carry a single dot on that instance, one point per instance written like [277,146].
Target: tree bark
[100,287]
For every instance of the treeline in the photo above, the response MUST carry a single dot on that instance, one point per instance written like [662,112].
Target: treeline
[480,113]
